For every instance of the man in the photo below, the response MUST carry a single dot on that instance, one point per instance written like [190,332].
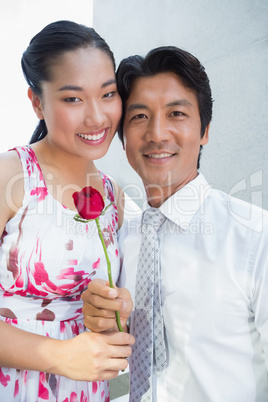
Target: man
[213,248]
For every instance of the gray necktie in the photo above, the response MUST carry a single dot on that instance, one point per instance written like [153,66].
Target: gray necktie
[149,350]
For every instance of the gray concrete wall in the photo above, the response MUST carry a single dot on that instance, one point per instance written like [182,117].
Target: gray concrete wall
[230,39]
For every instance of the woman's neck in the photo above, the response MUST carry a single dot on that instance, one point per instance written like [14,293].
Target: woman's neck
[65,173]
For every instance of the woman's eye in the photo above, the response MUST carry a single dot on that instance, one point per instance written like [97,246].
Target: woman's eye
[72,99]
[109,94]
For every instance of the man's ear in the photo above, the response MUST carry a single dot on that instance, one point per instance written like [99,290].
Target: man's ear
[205,138]
[36,103]
[123,143]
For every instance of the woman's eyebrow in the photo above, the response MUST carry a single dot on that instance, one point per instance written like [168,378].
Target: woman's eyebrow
[78,88]
[109,82]
[70,88]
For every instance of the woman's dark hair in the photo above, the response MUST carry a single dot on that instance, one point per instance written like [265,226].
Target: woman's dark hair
[51,42]
[167,59]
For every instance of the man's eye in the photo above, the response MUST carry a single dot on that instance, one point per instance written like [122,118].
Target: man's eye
[176,113]
[109,94]
[139,116]
[72,99]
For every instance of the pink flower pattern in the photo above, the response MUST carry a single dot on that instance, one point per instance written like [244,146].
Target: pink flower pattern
[47,260]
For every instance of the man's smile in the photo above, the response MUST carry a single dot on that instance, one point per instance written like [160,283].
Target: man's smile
[160,156]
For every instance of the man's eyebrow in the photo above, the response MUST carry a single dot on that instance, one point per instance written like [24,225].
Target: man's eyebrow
[180,102]
[135,106]
[78,88]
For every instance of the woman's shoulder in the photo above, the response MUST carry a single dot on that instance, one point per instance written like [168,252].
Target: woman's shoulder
[10,165]
[11,186]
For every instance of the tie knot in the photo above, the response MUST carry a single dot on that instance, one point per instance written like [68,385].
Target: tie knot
[153,217]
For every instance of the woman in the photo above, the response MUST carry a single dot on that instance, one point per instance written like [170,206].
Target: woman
[47,258]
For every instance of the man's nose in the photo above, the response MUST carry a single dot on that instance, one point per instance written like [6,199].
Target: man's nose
[157,130]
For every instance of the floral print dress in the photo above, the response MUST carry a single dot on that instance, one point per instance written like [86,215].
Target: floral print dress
[46,260]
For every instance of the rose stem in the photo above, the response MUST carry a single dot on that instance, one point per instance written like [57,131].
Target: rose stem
[109,271]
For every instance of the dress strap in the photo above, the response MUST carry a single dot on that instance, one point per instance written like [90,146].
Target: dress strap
[108,187]
[33,176]
[109,191]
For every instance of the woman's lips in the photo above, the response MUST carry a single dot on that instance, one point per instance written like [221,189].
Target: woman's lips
[92,137]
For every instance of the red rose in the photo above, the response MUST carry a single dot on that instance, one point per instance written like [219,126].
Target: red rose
[89,203]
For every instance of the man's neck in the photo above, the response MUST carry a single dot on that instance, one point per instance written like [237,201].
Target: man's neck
[157,195]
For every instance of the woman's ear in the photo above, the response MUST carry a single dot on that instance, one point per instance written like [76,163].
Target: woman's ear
[36,103]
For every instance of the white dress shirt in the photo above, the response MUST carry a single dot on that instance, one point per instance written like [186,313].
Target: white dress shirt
[214,281]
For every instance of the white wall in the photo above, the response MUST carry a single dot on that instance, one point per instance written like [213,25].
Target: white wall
[230,39]
[20,20]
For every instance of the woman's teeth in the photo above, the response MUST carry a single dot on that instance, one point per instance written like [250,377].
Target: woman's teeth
[93,137]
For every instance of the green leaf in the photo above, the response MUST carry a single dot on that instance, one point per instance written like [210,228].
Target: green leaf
[105,209]
[78,218]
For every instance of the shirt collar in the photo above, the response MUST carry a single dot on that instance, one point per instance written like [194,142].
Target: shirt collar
[181,207]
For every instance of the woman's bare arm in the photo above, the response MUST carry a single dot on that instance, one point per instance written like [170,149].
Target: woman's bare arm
[87,357]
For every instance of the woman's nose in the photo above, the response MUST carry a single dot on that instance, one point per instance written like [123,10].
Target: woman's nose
[94,115]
